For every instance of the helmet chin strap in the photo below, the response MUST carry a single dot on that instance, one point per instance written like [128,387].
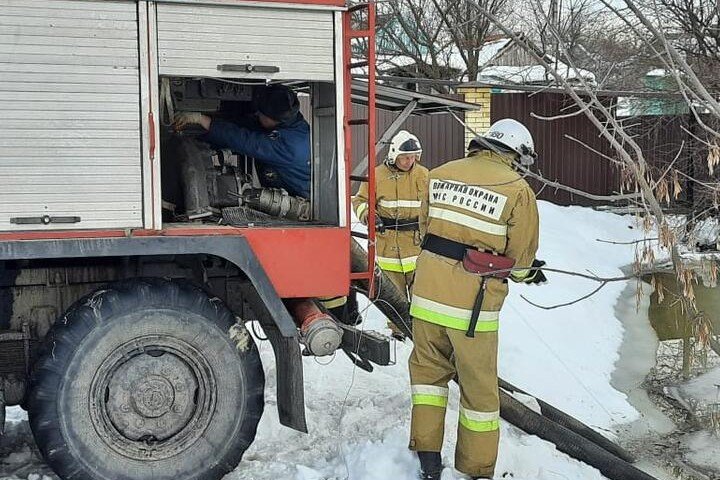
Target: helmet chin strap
[527,160]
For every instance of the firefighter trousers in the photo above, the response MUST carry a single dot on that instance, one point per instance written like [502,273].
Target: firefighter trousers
[441,354]
[403,282]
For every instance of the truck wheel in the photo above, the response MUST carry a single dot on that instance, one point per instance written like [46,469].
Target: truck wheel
[146,379]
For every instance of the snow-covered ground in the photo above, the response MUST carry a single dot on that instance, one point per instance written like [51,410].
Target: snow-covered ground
[701,395]
[359,421]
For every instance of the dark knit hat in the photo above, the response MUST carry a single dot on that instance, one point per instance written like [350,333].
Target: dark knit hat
[279,103]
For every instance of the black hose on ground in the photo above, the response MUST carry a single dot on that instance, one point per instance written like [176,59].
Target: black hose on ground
[567,441]
[562,418]
[568,434]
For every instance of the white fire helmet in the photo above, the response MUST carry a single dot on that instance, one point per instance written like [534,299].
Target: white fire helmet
[402,142]
[508,134]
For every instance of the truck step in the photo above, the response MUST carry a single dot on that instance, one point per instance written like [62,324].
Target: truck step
[368,345]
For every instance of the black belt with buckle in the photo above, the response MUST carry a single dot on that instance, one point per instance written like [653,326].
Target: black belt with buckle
[400,224]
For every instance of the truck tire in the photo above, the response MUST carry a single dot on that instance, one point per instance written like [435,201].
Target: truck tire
[146,379]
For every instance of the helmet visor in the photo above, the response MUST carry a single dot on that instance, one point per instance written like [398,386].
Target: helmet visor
[409,146]
[483,143]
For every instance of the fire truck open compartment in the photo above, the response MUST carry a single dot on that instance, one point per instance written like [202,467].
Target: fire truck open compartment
[216,186]
[80,88]
[213,59]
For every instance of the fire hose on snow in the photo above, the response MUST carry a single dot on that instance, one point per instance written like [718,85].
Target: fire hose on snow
[569,435]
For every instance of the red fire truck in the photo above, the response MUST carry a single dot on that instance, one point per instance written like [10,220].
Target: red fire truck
[123,309]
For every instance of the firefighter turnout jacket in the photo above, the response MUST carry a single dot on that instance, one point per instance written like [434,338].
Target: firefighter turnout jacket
[398,198]
[478,202]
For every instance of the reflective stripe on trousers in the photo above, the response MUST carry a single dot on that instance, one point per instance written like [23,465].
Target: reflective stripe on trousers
[429,395]
[452,317]
[332,302]
[400,265]
[479,421]
[361,209]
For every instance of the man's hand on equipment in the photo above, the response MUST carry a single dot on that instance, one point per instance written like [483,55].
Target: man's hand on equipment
[379,225]
[536,276]
[183,119]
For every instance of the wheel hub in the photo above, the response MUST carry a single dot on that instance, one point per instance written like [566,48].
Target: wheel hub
[151,397]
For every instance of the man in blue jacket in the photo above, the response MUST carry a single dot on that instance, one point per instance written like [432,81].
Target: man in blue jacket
[281,144]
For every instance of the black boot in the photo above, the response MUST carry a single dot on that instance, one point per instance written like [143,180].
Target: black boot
[431,466]
[347,313]
[352,315]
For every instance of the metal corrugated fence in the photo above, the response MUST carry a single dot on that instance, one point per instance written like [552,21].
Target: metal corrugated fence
[571,150]
[441,136]
[560,158]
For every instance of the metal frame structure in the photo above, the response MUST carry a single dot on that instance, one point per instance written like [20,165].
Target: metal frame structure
[350,34]
[408,103]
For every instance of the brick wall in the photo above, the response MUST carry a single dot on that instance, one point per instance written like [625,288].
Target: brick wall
[478,120]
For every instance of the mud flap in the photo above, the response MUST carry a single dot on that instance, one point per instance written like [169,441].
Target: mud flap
[288,363]
[290,387]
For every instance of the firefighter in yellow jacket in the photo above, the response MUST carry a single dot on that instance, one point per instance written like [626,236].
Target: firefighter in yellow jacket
[400,184]
[479,215]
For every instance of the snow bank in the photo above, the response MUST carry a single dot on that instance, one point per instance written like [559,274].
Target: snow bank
[703,389]
[703,450]
[566,356]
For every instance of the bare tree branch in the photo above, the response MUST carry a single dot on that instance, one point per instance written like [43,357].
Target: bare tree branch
[682,145]
[627,243]
[560,117]
[566,304]
[595,151]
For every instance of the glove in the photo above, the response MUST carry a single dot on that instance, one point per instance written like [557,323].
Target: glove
[379,225]
[183,119]
[536,276]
